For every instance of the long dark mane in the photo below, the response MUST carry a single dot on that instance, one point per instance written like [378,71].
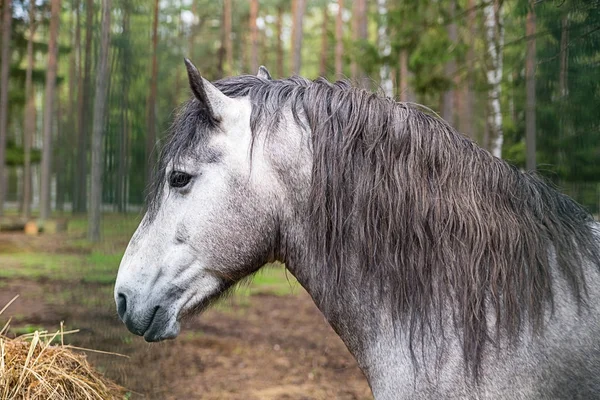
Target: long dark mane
[436,222]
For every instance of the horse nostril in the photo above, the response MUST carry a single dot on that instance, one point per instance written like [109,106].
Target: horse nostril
[121,305]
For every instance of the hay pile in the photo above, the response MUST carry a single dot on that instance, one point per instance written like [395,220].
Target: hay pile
[32,367]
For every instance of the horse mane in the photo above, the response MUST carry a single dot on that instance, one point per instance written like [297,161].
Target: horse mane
[437,223]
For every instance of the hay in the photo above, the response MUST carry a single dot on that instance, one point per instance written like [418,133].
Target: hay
[32,367]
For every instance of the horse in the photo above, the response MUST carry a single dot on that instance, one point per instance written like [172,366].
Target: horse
[447,272]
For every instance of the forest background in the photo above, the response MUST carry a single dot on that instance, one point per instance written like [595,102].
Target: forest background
[88,88]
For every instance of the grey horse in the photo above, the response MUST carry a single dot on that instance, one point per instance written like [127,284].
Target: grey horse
[447,272]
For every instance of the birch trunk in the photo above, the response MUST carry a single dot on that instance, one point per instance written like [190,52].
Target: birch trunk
[385,49]
[466,118]
[495,41]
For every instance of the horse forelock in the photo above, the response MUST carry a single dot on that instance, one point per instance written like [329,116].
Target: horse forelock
[190,126]
[432,219]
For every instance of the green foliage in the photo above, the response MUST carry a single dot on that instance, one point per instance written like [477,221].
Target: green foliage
[568,134]
[15,156]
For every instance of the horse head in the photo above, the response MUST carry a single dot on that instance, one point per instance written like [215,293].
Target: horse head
[212,219]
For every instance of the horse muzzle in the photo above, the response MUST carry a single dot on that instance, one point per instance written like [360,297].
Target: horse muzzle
[155,322]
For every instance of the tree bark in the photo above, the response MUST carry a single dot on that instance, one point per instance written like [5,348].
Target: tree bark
[339,40]
[99,126]
[564,54]
[84,111]
[278,41]
[45,196]
[227,38]
[324,43]
[466,117]
[299,7]
[359,30]
[6,32]
[58,162]
[448,105]
[253,36]
[74,87]
[151,105]
[121,194]
[495,42]
[29,117]
[385,49]
[530,61]
[178,71]
[404,90]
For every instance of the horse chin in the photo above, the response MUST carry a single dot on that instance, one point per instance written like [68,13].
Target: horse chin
[158,334]
[162,327]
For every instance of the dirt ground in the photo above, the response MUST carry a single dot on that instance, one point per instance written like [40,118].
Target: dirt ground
[263,346]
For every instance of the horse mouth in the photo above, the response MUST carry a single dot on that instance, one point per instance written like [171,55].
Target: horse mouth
[160,327]
[165,325]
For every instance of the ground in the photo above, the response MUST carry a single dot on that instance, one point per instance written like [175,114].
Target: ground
[268,341]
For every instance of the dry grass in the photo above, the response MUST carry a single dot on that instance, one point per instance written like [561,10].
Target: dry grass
[33,367]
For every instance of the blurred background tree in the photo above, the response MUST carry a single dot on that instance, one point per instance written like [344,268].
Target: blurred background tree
[520,77]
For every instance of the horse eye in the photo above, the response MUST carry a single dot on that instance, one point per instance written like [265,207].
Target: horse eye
[178,179]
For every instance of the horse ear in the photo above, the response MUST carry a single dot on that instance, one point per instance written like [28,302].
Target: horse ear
[211,99]
[263,72]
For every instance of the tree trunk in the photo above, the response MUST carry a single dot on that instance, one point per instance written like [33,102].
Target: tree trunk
[253,36]
[279,42]
[495,42]
[355,36]
[60,152]
[359,30]
[450,68]
[404,90]
[121,194]
[530,90]
[385,49]
[299,7]
[76,106]
[339,40]
[151,105]
[466,117]
[74,81]
[227,38]
[564,54]
[324,43]
[29,117]
[99,126]
[45,197]
[6,31]
[84,112]
[178,71]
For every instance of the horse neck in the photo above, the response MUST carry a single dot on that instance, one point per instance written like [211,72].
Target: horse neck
[351,308]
